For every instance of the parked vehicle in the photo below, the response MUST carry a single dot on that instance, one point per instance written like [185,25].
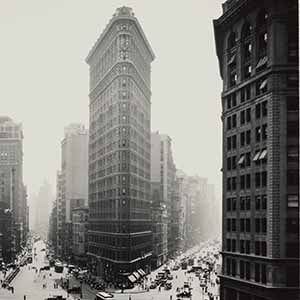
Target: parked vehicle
[58,267]
[103,296]
[76,289]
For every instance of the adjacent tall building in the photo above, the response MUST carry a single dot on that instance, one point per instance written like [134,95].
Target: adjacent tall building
[72,185]
[163,176]
[119,148]
[257,48]
[13,205]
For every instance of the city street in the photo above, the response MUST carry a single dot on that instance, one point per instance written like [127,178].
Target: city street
[30,283]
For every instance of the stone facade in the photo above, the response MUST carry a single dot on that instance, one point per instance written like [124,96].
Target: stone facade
[257,48]
[119,149]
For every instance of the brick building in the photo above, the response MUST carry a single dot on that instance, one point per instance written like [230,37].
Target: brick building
[257,48]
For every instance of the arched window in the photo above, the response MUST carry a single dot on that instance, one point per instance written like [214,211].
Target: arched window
[262,39]
[231,40]
[246,49]
[246,30]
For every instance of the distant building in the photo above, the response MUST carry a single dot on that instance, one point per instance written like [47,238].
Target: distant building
[159,227]
[119,149]
[72,183]
[11,182]
[43,203]
[258,51]
[163,172]
[79,230]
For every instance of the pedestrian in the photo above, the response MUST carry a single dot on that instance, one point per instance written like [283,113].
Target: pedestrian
[24,297]
[129,297]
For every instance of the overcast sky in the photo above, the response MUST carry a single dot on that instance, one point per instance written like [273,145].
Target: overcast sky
[44,78]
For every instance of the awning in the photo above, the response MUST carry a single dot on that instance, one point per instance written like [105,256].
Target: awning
[262,62]
[263,155]
[141,272]
[256,157]
[232,59]
[263,84]
[132,279]
[241,160]
[137,275]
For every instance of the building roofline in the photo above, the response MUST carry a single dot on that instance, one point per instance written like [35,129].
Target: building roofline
[115,18]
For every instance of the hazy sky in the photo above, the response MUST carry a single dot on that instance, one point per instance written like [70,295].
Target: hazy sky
[44,78]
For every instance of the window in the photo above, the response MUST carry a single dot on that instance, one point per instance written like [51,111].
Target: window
[293,129]
[293,154]
[264,202]
[232,40]
[247,71]
[264,108]
[248,245]
[234,204]
[233,183]
[248,181]
[242,269]
[264,179]
[242,117]
[242,139]
[257,111]
[233,162]
[264,225]
[247,270]
[228,245]
[228,206]
[292,225]
[228,266]
[292,178]
[257,202]
[233,141]
[233,225]
[228,184]
[293,201]
[233,78]
[257,248]
[248,203]
[293,103]
[241,161]
[261,86]
[257,134]
[233,267]
[264,132]
[245,93]
[229,143]
[257,272]
[257,225]
[242,246]
[248,159]
[247,50]
[257,179]
[242,225]
[229,163]
[228,102]
[248,137]
[263,274]
[263,248]
[242,203]
[248,227]
[234,121]
[233,246]
[242,182]
[292,81]
[228,123]
[248,115]
[228,225]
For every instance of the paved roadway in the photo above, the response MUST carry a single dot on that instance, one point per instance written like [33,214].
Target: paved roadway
[30,283]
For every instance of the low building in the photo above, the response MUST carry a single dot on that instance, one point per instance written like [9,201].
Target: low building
[79,233]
